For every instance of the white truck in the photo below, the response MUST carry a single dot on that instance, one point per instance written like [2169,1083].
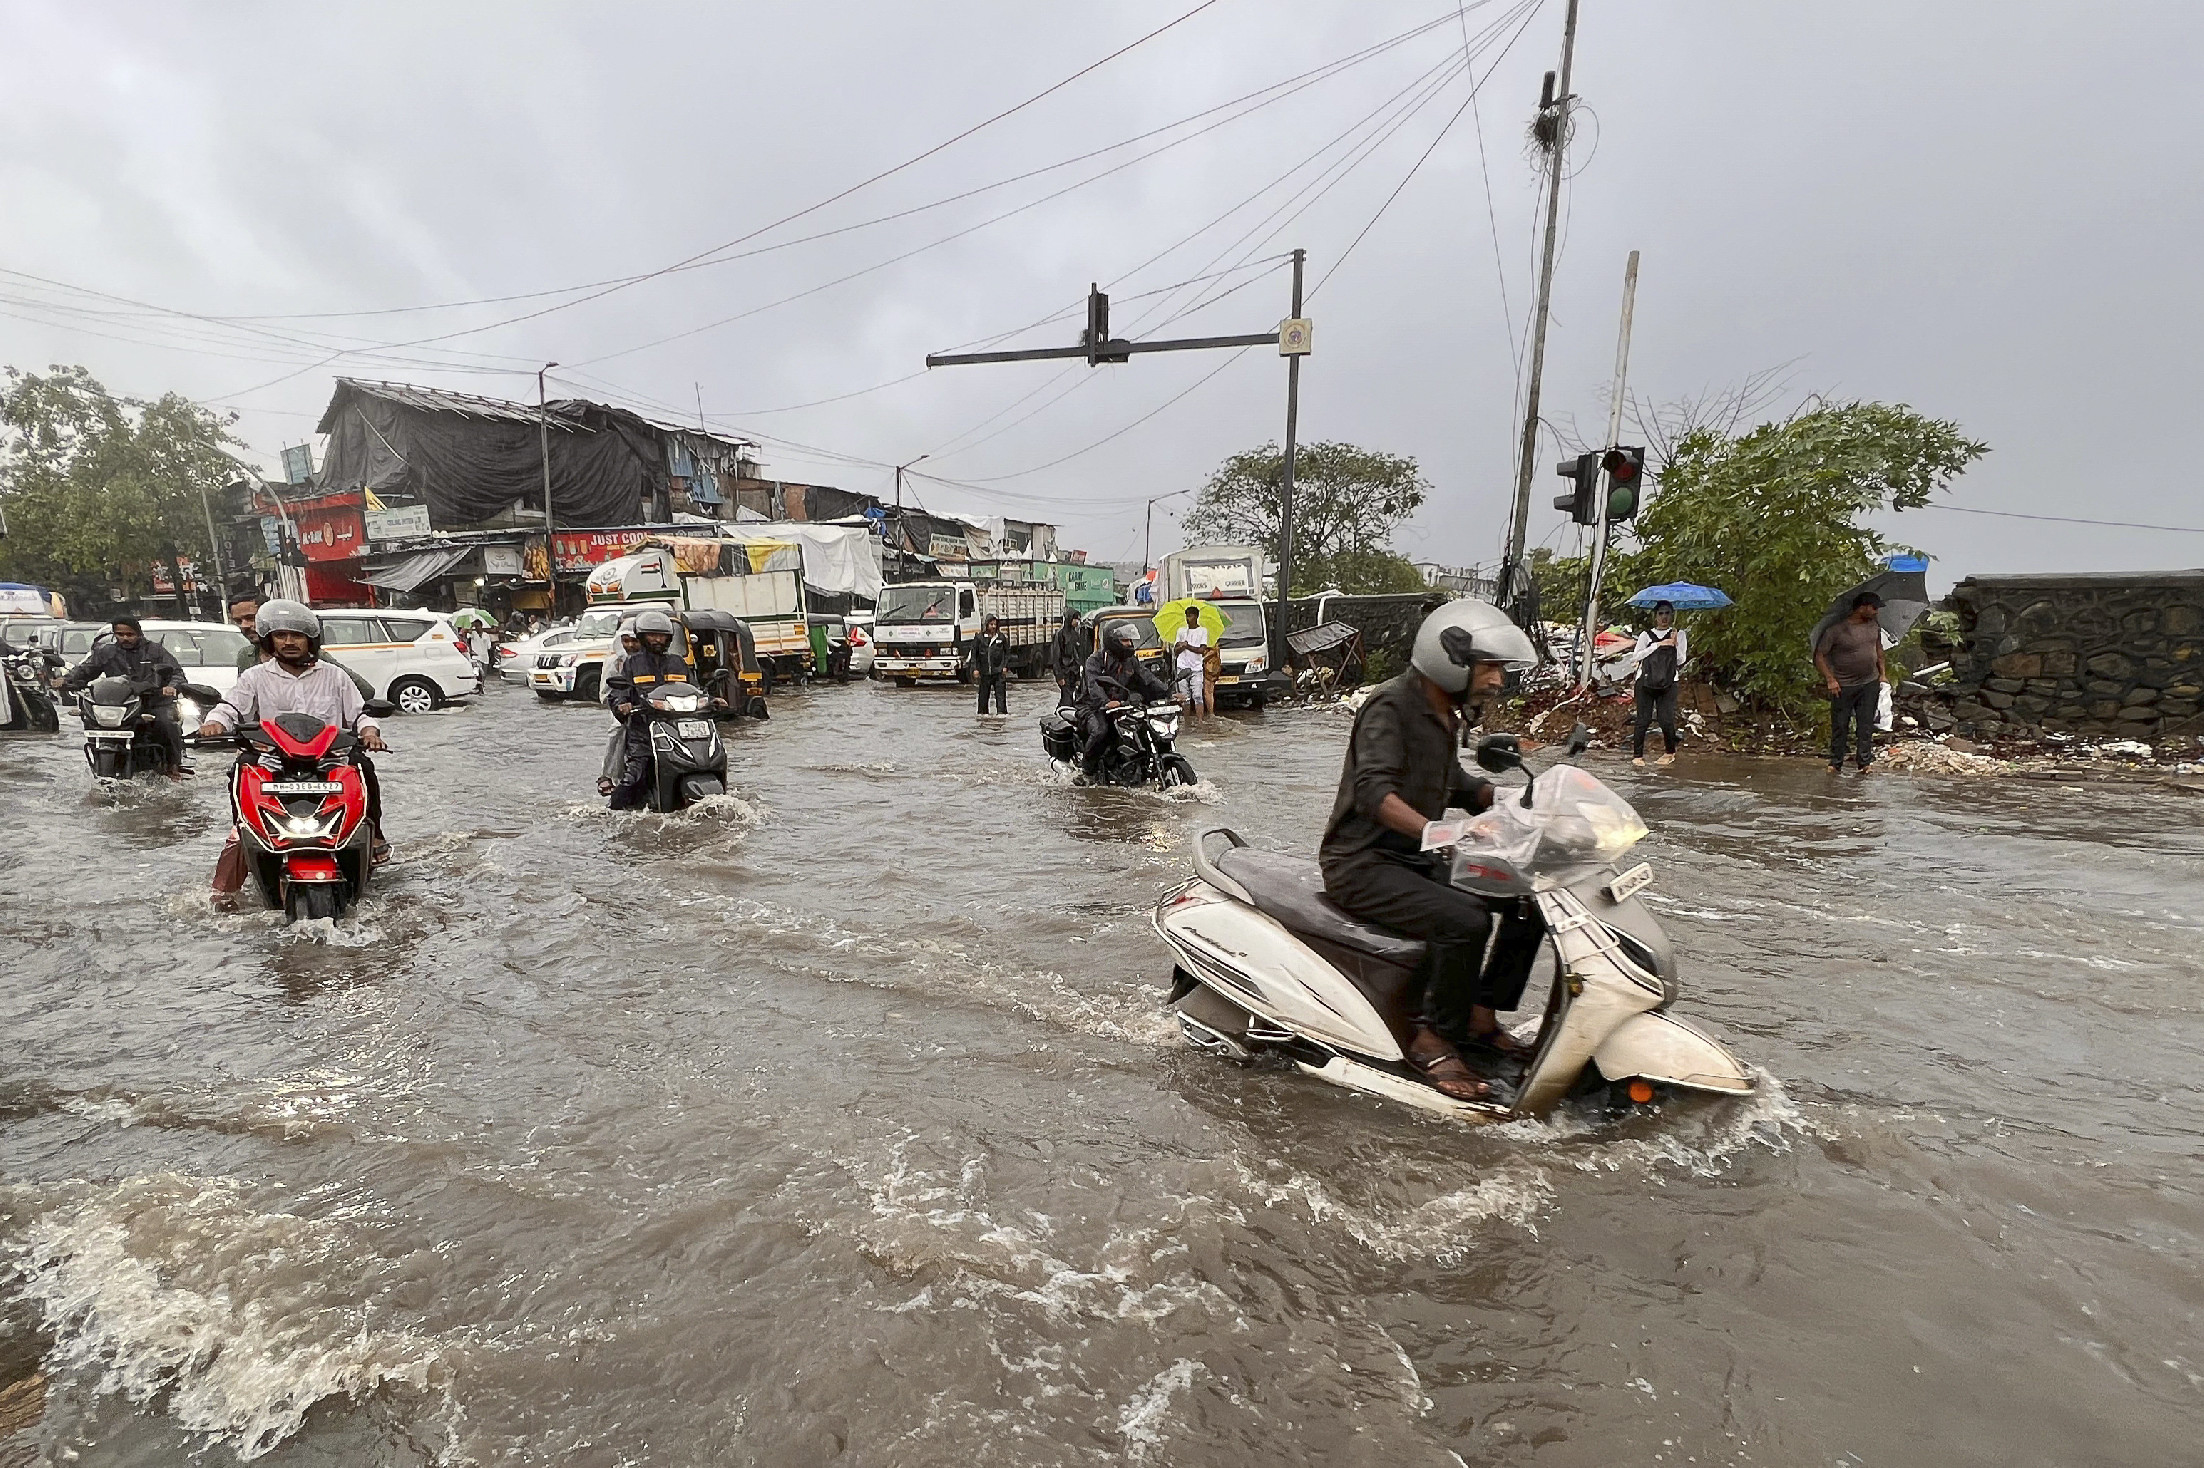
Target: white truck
[1230,578]
[924,629]
[760,583]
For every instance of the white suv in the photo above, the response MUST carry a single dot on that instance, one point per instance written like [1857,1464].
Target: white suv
[412,658]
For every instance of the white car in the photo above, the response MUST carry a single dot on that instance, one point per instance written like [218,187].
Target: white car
[413,658]
[208,650]
[861,650]
[516,658]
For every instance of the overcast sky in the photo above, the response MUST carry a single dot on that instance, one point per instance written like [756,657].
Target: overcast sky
[1986,210]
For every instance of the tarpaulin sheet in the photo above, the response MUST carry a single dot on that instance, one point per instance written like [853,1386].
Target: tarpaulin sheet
[837,558]
[410,571]
[470,460]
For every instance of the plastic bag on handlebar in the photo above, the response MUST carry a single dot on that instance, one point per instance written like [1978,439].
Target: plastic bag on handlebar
[1573,820]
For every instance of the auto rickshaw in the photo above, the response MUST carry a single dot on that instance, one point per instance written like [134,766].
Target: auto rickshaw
[725,655]
[1153,655]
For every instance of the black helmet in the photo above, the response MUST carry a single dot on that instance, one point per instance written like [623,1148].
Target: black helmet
[285,615]
[1121,638]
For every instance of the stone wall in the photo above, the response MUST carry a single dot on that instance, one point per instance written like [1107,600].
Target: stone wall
[2117,656]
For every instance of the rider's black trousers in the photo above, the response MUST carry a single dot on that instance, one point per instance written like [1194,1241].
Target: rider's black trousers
[633,791]
[1411,897]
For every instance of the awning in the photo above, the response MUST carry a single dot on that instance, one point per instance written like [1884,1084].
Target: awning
[410,571]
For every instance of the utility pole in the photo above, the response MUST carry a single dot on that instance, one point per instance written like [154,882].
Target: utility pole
[1607,486]
[1292,338]
[1513,577]
[1278,659]
[214,543]
[900,532]
[550,548]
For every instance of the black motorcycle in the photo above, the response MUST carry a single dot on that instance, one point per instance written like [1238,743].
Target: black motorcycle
[122,738]
[1138,754]
[26,694]
[688,761]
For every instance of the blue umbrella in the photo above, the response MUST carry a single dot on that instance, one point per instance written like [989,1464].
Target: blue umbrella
[1683,595]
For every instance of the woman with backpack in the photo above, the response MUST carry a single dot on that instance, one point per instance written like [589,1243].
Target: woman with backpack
[1660,654]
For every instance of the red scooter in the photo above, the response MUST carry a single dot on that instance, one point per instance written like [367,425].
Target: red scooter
[301,807]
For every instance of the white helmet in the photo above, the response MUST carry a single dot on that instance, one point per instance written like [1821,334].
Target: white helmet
[285,615]
[627,630]
[1460,635]
[649,622]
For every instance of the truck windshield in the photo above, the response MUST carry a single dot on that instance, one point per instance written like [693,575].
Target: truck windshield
[1243,624]
[917,604]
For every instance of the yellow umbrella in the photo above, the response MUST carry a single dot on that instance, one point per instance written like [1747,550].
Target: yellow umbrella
[1171,618]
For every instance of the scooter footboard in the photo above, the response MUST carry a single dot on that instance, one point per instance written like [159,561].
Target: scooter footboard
[1671,1051]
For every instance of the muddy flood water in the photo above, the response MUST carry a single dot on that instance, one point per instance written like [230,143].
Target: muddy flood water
[841,1121]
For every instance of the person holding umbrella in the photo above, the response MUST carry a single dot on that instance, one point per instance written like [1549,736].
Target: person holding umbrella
[1660,655]
[1849,656]
[1189,649]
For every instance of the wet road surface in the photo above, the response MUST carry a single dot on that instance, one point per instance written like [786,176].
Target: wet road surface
[839,1121]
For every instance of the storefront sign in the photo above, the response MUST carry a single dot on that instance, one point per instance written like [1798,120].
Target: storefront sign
[399,522]
[331,532]
[949,548]
[501,560]
[578,550]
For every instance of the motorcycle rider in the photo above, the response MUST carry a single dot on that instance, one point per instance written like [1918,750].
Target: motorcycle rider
[608,777]
[1403,769]
[1068,657]
[149,667]
[295,678]
[1110,679]
[652,665]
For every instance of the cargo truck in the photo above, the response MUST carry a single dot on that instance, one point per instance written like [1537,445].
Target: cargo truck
[759,582]
[924,629]
[1230,578]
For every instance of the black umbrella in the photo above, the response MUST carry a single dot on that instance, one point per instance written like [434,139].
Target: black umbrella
[1904,590]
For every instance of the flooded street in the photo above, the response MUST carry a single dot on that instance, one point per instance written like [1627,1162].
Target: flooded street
[841,1119]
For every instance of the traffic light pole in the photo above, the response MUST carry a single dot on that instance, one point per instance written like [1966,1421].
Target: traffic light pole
[1514,575]
[1097,346]
[1607,486]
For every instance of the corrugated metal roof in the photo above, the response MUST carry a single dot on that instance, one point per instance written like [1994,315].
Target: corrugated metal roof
[439,400]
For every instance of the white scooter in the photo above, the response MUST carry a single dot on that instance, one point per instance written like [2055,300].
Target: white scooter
[1265,962]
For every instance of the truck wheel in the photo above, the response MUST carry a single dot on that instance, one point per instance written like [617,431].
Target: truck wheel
[964,675]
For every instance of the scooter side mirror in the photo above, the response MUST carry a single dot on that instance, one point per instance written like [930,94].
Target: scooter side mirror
[1499,753]
[1580,739]
[381,708]
[201,694]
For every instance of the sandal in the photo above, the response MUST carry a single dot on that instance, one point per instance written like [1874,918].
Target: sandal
[1499,1042]
[604,784]
[1444,1071]
[378,853]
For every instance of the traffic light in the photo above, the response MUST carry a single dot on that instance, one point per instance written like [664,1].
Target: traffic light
[1625,481]
[1097,338]
[1582,500]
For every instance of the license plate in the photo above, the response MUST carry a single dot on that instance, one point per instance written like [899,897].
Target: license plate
[1228,678]
[693,728]
[1630,883]
[302,787]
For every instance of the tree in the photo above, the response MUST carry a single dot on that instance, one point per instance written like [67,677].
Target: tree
[1773,518]
[1346,502]
[102,489]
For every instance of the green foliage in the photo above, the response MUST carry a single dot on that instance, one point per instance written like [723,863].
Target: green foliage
[1562,582]
[1773,517]
[98,488]
[1346,502]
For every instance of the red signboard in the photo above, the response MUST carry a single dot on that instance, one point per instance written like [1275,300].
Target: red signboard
[331,532]
[578,550]
[332,586]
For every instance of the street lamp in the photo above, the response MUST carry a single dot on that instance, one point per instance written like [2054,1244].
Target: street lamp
[543,435]
[1148,533]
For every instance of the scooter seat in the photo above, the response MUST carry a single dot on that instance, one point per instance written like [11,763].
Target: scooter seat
[1291,890]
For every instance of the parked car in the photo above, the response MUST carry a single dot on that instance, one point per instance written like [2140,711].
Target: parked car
[208,650]
[413,658]
[77,640]
[515,658]
[861,650]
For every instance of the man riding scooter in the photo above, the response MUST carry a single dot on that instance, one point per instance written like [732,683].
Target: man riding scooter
[652,665]
[294,679]
[1403,770]
[147,665]
[1112,678]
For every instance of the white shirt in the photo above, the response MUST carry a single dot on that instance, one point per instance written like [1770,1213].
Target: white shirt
[1647,641]
[1190,642]
[267,689]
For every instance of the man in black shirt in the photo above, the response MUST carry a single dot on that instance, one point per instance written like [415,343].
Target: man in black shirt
[1068,655]
[1403,770]
[150,668]
[991,665]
